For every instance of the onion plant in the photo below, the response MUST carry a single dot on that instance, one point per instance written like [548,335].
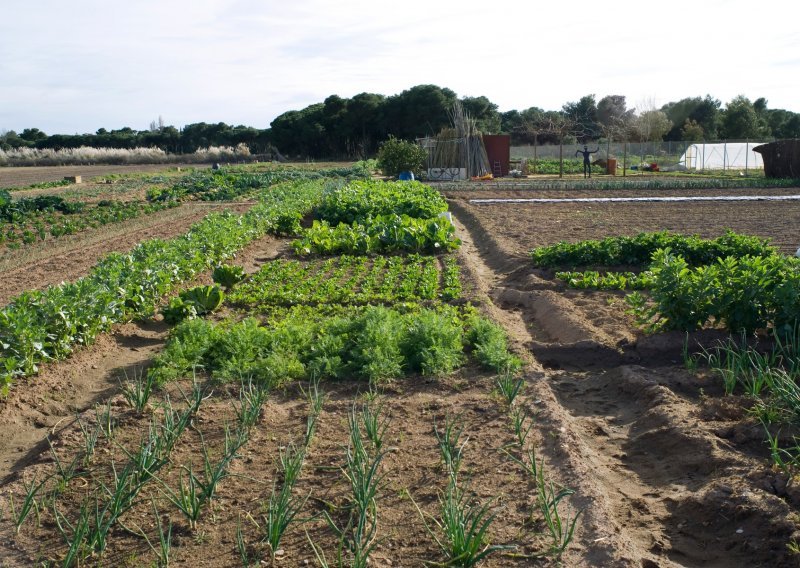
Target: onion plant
[281,510]
[509,387]
[451,446]
[18,516]
[137,391]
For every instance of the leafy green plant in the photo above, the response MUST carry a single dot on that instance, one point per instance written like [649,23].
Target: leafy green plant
[490,346]
[396,155]
[361,200]
[383,233]
[638,250]
[227,275]
[433,343]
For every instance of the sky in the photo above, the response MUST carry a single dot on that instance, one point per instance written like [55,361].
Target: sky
[79,65]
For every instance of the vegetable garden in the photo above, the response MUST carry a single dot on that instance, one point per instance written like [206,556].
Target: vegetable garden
[350,372]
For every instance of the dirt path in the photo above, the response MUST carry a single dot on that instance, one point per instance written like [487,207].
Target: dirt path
[667,477]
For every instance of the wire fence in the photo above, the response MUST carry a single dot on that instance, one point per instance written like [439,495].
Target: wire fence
[724,155]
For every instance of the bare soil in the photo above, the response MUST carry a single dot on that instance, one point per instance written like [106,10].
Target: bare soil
[17,177]
[667,470]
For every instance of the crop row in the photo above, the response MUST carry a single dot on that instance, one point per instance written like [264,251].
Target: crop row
[28,227]
[743,294]
[648,183]
[638,250]
[228,183]
[345,280]
[375,343]
[361,200]
[594,280]
[382,234]
[39,326]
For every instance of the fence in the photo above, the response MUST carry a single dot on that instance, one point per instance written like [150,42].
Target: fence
[706,155]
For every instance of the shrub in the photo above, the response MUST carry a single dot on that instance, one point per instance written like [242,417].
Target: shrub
[395,156]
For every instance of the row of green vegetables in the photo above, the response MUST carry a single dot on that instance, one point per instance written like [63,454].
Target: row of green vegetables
[738,281]
[226,184]
[39,326]
[648,183]
[371,317]
[40,224]
[26,220]
[374,217]
[375,343]
[351,280]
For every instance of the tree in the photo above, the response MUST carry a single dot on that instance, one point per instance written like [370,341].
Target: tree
[691,131]
[651,125]
[361,124]
[485,113]
[740,120]
[613,118]
[584,115]
[419,111]
[704,111]
[612,112]
[395,156]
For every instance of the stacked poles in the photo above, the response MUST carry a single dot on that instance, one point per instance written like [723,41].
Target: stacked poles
[459,146]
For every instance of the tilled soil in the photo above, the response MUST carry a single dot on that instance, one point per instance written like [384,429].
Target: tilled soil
[667,471]
[13,177]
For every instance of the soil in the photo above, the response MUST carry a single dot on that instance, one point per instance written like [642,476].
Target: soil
[667,470]
[16,177]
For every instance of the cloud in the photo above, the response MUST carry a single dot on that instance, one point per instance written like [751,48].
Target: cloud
[87,64]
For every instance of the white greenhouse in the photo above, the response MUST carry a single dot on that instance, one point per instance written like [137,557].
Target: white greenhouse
[722,156]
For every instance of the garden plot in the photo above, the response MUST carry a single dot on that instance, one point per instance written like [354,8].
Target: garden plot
[397,405]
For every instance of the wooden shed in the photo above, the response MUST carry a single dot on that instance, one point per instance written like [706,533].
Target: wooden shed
[781,158]
[498,150]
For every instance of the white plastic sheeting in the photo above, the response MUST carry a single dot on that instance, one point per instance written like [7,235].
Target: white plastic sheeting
[635,199]
[722,156]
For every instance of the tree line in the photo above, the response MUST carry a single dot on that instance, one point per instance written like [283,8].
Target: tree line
[354,127]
